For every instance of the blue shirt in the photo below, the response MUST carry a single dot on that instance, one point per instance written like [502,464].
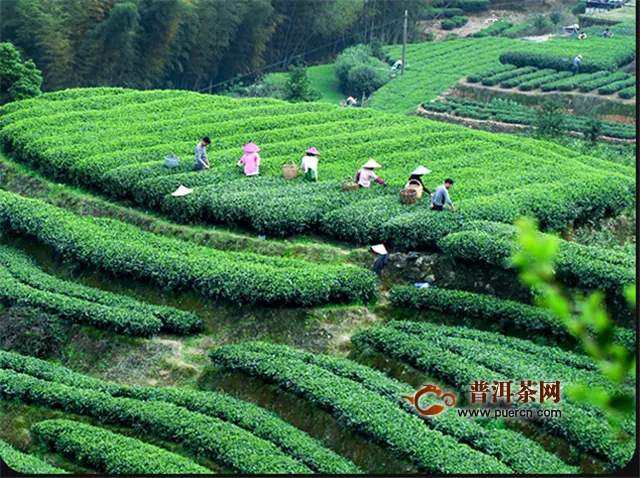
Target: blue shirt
[441,196]
[201,155]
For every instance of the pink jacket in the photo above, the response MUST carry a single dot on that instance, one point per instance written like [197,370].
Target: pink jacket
[251,163]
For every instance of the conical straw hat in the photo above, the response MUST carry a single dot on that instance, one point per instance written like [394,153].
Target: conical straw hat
[313,151]
[181,191]
[250,148]
[372,163]
[420,171]
[379,249]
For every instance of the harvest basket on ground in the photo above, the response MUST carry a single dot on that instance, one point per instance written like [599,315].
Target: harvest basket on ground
[350,185]
[290,170]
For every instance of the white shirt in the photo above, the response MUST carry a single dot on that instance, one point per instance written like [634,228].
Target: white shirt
[366,175]
[309,162]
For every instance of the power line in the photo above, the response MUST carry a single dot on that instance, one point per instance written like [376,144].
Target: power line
[295,56]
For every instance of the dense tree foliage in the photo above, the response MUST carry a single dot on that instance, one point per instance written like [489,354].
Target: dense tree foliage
[360,72]
[20,79]
[190,44]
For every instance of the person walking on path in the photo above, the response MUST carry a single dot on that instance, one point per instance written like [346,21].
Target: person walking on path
[365,175]
[576,64]
[250,159]
[441,196]
[202,162]
[310,165]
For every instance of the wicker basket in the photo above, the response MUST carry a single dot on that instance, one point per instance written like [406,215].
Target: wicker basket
[290,170]
[171,161]
[408,196]
[414,184]
[350,185]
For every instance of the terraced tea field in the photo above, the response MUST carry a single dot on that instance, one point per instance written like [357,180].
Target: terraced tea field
[436,66]
[136,344]
[114,141]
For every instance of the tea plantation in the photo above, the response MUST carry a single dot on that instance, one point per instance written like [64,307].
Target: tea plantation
[239,330]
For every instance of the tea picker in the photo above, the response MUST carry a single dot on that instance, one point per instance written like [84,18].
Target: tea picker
[365,174]
[202,162]
[310,164]
[381,260]
[415,180]
[250,159]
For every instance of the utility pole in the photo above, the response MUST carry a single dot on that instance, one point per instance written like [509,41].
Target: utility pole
[404,41]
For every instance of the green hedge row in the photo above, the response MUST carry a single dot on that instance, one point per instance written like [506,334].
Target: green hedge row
[111,453]
[547,353]
[583,266]
[245,415]
[599,82]
[516,113]
[520,79]
[513,449]
[616,86]
[476,77]
[494,29]
[574,81]
[26,464]
[461,361]
[380,421]
[454,22]
[118,320]
[507,75]
[26,284]
[504,313]
[558,54]
[627,93]
[518,30]
[23,269]
[222,442]
[239,277]
[130,132]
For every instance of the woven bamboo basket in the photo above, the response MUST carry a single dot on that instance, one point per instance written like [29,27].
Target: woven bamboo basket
[414,184]
[350,185]
[290,170]
[408,196]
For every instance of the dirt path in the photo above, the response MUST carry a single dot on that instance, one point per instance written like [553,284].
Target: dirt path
[477,21]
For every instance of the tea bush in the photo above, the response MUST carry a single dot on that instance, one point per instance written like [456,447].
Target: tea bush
[245,415]
[26,464]
[243,278]
[516,113]
[558,53]
[505,314]
[222,442]
[110,453]
[76,302]
[494,29]
[436,351]
[512,448]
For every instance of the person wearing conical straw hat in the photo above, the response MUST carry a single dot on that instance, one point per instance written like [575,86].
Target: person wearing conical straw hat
[310,164]
[365,174]
[417,174]
[250,159]
[381,260]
